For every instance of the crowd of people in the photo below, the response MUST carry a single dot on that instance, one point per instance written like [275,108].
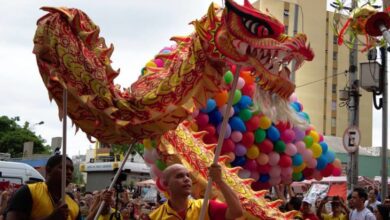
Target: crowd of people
[43,201]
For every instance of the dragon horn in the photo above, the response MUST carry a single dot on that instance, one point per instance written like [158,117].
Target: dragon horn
[275,203]
[248,4]
[211,15]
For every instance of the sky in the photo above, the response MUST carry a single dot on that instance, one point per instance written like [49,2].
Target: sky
[138,30]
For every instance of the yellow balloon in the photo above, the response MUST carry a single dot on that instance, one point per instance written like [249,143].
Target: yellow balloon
[147,143]
[253,152]
[299,168]
[265,122]
[151,64]
[315,136]
[317,150]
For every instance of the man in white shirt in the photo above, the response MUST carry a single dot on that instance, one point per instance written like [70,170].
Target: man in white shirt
[359,196]
[371,201]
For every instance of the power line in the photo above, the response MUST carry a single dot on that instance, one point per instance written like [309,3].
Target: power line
[309,83]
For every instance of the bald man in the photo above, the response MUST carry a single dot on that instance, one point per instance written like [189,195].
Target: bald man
[178,183]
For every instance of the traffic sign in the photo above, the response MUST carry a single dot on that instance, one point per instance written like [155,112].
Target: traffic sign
[351,139]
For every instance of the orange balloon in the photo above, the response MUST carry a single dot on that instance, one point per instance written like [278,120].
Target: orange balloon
[221,98]
[246,75]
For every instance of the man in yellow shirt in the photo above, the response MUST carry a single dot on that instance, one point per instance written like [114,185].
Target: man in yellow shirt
[180,206]
[339,210]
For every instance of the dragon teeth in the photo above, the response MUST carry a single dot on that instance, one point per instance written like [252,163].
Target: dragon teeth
[264,60]
[275,68]
[242,47]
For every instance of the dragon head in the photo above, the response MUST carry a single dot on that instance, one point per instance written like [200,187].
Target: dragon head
[245,36]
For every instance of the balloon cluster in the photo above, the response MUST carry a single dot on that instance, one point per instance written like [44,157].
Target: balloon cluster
[269,152]
[158,61]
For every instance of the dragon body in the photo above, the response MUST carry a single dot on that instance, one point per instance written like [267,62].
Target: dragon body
[161,103]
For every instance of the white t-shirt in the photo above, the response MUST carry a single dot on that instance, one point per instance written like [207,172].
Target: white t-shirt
[373,205]
[364,214]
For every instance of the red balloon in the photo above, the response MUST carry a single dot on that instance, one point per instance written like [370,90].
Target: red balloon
[227,146]
[308,173]
[207,139]
[210,129]
[285,161]
[264,168]
[257,186]
[283,126]
[202,120]
[251,165]
[248,138]
[253,123]
[266,146]
[328,170]
[248,90]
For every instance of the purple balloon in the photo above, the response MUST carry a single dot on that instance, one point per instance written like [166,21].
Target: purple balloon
[299,134]
[228,131]
[240,150]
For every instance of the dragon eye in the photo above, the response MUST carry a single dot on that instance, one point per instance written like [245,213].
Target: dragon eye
[255,27]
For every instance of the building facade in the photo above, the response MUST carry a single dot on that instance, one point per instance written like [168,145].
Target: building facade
[318,82]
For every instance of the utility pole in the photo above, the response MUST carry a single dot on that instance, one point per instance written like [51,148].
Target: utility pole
[353,111]
[386,3]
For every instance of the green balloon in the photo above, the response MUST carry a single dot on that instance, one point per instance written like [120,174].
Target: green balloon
[237,96]
[228,77]
[259,135]
[245,114]
[308,141]
[297,176]
[307,117]
[279,146]
[160,165]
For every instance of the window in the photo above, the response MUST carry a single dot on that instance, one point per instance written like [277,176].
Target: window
[334,106]
[334,88]
[335,55]
[333,122]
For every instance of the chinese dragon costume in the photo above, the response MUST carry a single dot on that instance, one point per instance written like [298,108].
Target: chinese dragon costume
[163,104]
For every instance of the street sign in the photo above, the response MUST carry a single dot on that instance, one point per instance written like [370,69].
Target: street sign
[351,139]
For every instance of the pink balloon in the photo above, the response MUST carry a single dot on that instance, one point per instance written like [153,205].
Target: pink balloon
[312,163]
[236,136]
[262,159]
[307,155]
[288,136]
[275,180]
[299,134]
[159,62]
[240,83]
[286,172]
[222,109]
[275,171]
[321,138]
[251,165]
[291,149]
[301,146]
[255,175]
[336,171]
[273,158]
[293,97]
[195,113]
[244,174]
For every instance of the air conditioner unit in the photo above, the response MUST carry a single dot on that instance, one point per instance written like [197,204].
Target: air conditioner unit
[369,76]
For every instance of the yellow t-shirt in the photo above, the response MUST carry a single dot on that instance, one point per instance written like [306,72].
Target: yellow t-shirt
[330,217]
[107,216]
[165,212]
[43,206]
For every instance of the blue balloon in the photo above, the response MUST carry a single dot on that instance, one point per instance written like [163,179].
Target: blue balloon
[321,162]
[324,147]
[304,116]
[296,106]
[236,109]
[329,156]
[215,117]
[239,161]
[210,106]
[273,133]
[237,124]
[264,178]
[245,102]
[297,159]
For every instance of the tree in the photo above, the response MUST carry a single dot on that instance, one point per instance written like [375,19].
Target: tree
[121,149]
[13,136]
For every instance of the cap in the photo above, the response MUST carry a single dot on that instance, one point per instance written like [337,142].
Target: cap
[307,200]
